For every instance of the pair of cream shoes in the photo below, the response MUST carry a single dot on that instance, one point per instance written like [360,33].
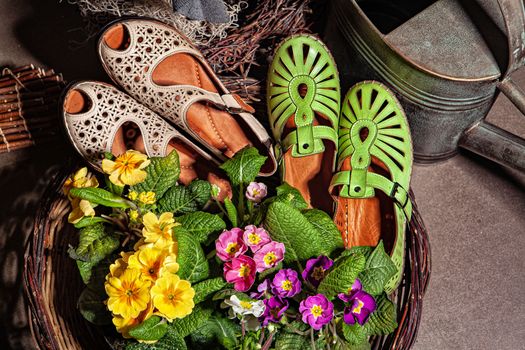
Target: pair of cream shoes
[172,100]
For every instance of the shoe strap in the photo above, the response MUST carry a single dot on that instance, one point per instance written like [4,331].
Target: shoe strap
[308,139]
[230,103]
[348,189]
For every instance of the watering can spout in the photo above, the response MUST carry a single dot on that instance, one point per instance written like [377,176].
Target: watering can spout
[495,144]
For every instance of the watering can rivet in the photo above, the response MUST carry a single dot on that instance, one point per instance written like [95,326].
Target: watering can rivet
[357,189]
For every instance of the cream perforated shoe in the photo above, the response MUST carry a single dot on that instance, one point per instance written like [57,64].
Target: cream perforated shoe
[157,65]
[98,118]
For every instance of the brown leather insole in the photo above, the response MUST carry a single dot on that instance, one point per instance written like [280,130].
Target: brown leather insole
[192,165]
[311,175]
[217,128]
[363,222]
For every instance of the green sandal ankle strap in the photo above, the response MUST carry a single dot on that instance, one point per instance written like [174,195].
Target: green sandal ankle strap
[302,82]
[371,182]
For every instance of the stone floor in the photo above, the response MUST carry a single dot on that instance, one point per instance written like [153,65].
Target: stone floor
[474,209]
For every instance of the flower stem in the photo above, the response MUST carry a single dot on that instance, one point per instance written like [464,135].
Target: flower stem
[312,338]
[221,208]
[261,338]
[211,254]
[115,221]
[268,342]
[241,204]
[250,206]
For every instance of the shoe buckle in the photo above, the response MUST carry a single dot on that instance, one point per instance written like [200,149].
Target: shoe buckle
[393,193]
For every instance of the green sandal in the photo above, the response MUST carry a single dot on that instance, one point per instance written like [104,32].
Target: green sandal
[303,102]
[375,153]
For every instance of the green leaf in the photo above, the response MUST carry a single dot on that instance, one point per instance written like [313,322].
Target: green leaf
[85,267]
[231,211]
[200,224]
[181,199]
[342,275]
[189,324]
[112,187]
[383,321]
[207,287]
[325,226]
[216,328]
[171,341]
[99,196]
[90,220]
[354,334]
[94,244]
[366,251]
[365,345]
[201,191]
[191,258]
[226,293]
[291,341]
[162,173]
[178,200]
[244,166]
[290,195]
[153,328]
[91,302]
[91,306]
[301,239]
[379,268]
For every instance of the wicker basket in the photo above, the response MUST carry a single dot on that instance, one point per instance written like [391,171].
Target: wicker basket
[52,281]
[53,284]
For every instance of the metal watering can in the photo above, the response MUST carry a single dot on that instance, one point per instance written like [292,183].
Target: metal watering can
[446,60]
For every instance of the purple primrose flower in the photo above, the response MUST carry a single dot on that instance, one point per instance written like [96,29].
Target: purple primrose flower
[316,268]
[360,304]
[262,288]
[317,311]
[286,283]
[275,308]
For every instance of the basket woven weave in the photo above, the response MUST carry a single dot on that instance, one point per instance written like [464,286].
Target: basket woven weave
[53,284]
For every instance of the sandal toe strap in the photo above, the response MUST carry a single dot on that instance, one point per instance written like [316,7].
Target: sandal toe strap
[360,183]
[307,140]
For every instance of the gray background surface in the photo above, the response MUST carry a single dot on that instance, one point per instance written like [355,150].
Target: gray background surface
[474,210]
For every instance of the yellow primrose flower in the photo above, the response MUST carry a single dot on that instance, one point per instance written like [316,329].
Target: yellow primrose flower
[133,215]
[128,294]
[170,246]
[172,297]
[123,325]
[81,208]
[147,197]
[158,230]
[133,195]
[127,169]
[152,262]
[119,266]
[81,179]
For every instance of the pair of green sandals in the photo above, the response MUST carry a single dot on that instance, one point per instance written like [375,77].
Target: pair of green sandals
[353,159]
